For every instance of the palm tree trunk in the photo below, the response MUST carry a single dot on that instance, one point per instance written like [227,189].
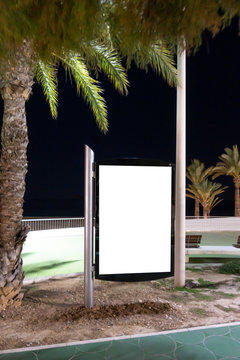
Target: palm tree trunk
[16,83]
[205,212]
[12,188]
[237,200]
[196,210]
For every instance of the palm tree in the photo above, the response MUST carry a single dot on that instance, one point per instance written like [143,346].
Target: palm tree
[25,58]
[16,84]
[206,192]
[173,20]
[230,165]
[197,173]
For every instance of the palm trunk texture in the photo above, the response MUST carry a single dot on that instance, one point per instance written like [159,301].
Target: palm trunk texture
[196,210]
[205,209]
[16,79]
[205,213]
[237,200]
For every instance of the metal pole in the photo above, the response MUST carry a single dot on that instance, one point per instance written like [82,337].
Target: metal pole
[180,170]
[88,229]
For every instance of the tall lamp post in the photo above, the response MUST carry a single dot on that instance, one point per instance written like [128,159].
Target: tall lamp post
[179,272]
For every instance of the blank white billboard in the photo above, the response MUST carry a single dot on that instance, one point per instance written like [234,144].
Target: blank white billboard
[134,219]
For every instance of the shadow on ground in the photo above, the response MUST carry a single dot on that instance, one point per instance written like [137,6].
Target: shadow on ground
[48,265]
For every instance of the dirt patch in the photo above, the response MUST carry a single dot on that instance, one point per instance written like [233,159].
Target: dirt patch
[113,311]
[53,311]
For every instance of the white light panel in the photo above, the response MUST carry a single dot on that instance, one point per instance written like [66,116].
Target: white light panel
[134,219]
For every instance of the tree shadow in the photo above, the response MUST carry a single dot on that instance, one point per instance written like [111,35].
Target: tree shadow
[48,265]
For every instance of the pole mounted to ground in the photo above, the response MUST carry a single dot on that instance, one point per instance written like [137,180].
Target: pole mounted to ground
[179,272]
[88,228]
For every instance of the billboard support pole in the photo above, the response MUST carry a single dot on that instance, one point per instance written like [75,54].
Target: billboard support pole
[88,228]
[180,170]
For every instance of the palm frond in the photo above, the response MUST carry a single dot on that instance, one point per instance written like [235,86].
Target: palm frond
[192,196]
[161,60]
[46,75]
[109,63]
[212,203]
[207,172]
[193,192]
[215,202]
[226,159]
[87,86]
[235,154]
[228,152]
[218,171]
[229,163]
[196,171]
[206,193]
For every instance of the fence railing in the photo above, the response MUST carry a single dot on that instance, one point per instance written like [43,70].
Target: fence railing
[53,223]
[213,223]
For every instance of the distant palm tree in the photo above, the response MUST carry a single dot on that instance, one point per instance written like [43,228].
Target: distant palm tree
[206,192]
[196,173]
[230,166]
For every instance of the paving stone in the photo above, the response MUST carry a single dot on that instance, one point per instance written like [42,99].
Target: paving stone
[223,345]
[220,343]
[189,337]
[193,352]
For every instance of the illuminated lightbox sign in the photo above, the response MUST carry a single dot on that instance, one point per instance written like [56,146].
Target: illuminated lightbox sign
[134,225]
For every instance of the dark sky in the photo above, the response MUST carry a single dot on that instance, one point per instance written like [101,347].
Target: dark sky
[140,125]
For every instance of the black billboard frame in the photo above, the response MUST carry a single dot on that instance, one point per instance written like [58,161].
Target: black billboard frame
[132,277]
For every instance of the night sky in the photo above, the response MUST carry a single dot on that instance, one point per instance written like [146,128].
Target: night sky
[141,124]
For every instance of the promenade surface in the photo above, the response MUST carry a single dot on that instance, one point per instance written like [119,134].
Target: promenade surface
[220,342]
[213,224]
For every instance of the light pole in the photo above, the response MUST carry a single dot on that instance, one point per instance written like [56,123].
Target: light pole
[180,203]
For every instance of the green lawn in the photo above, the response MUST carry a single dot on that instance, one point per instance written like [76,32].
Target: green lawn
[223,238]
[53,252]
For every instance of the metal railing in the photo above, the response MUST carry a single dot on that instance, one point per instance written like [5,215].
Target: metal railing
[213,223]
[53,223]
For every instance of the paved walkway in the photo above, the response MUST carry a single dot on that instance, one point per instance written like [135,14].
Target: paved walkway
[213,224]
[220,342]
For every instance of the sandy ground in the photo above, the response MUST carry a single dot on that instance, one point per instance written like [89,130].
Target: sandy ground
[53,312]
